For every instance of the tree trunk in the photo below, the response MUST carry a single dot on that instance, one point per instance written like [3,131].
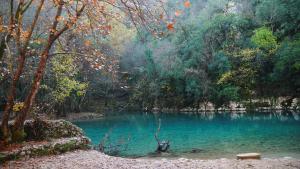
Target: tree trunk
[21,61]
[10,99]
[19,122]
[2,47]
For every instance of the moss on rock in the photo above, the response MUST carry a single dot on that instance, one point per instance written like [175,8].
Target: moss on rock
[49,129]
[60,136]
[65,147]
[56,146]
[2,157]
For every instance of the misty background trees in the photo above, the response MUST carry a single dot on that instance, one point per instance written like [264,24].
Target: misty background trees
[220,52]
[182,54]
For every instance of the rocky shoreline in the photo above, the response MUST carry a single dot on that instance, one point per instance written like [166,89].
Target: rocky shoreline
[91,159]
[46,137]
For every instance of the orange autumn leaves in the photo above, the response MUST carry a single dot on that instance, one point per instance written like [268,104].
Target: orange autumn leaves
[170,26]
[186,4]
[87,43]
[178,13]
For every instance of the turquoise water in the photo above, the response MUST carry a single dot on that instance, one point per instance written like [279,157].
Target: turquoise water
[213,135]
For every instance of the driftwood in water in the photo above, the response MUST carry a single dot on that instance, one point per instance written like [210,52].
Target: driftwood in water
[106,146]
[162,146]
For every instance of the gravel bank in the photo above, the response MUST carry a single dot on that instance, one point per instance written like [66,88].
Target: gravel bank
[94,160]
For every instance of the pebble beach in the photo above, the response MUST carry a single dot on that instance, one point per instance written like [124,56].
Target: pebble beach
[91,159]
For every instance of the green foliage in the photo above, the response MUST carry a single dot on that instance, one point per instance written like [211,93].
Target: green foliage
[64,71]
[219,51]
[263,38]
[225,55]
[222,95]
[282,16]
[226,77]
[287,66]
[66,86]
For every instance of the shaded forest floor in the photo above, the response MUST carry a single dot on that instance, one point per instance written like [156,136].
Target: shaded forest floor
[94,160]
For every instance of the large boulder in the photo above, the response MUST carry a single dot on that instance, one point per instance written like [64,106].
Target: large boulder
[54,146]
[50,129]
[46,137]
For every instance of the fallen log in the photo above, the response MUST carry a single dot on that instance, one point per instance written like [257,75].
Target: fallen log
[246,156]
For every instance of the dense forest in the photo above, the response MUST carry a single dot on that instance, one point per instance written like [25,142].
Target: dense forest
[219,51]
[202,51]
[160,83]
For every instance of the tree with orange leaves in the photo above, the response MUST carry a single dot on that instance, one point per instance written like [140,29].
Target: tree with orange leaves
[80,16]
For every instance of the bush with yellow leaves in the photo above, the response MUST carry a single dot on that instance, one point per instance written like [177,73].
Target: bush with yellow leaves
[18,106]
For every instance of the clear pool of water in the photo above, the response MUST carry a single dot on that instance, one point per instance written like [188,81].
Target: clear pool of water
[205,135]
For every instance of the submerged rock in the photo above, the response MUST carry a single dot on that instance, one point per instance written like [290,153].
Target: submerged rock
[196,150]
